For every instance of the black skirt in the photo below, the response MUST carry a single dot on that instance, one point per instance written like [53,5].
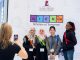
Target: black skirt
[41,55]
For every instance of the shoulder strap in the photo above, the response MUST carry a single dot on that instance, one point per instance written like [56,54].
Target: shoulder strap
[57,38]
[66,40]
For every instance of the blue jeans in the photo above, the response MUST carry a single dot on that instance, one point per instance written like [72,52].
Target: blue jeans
[68,55]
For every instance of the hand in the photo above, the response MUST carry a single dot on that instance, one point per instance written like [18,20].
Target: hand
[52,50]
[33,46]
[19,43]
[52,57]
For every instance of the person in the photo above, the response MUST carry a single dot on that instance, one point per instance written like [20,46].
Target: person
[40,44]
[7,48]
[69,41]
[28,43]
[53,43]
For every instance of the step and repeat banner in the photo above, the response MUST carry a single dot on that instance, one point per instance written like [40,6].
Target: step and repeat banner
[46,13]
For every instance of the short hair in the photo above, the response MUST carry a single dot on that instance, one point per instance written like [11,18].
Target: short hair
[52,27]
[72,25]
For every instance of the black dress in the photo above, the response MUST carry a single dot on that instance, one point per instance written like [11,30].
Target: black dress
[40,55]
[27,46]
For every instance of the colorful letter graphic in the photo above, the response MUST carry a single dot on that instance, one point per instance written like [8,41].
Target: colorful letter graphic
[33,18]
[46,18]
[52,19]
[39,18]
[59,19]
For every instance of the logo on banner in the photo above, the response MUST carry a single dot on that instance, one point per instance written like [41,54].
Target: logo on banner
[46,7]
[46,3]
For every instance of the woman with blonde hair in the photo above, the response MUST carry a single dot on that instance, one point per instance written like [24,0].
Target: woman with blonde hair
[7,48]
[28,43]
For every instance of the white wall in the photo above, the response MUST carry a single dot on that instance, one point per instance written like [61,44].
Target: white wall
[19,11]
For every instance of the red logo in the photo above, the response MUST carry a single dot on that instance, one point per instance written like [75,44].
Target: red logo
[46,3]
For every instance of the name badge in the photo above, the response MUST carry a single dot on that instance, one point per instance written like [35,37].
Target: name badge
[31,49]
[41,49]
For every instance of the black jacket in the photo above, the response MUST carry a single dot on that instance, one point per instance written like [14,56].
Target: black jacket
[70,35]
[26,45]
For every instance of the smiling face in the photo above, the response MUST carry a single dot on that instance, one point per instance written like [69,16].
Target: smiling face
[32,31]
[52,31]
[41,32]
[68,26]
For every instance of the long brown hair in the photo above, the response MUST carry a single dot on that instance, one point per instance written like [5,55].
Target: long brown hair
[5,35]
[72,25]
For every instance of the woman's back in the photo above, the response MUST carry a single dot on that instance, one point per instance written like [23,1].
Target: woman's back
[9,52]
[7,49]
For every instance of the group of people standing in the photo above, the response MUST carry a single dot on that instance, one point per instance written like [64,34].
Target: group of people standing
[38,47]
[43,46]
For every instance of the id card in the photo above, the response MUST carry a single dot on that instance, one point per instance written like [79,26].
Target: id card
[31,49]
[41,49]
